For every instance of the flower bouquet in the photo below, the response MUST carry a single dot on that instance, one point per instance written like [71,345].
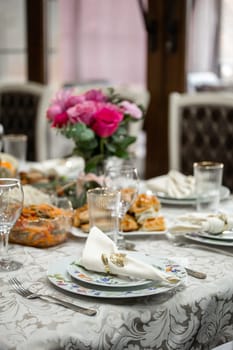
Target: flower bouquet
[97,122]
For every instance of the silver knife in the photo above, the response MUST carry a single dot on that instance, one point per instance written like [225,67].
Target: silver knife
[196,274]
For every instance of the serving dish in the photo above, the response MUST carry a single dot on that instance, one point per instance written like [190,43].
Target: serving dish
[41,226]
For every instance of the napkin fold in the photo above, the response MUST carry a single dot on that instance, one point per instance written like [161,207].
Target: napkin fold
[100,254]
[200,222]
[174,184]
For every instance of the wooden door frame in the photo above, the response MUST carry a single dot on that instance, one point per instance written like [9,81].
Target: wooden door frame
[166,72]
[36,38]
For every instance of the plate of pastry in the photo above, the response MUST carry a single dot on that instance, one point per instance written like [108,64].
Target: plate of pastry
[143,218]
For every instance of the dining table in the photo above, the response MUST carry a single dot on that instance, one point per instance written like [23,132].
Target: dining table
[197,314]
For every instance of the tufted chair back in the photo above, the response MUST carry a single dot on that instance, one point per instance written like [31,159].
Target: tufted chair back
[22,111]
[201,128]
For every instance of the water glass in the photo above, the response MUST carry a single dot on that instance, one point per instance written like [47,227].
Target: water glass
[16,145]
[11,204]
[208,181]
[103,205]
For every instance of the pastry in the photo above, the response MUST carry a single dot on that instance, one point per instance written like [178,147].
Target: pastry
[145,202]
[128,223]
[80,216]
[154,224]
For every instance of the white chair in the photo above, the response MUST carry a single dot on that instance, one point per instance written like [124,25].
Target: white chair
[201,128]
[23,110]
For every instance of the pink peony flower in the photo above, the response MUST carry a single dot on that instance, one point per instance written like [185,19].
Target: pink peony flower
[63,100]
[82,112]
[106,120]
[95,95]
[131,109]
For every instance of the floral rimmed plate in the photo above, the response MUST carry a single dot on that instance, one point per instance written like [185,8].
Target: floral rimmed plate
[102,279]
[58,275]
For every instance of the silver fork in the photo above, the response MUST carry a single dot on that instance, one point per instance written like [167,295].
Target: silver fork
[26,293]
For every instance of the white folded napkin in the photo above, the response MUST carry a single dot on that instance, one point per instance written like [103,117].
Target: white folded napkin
[100,254]
[174,184]
[199,222]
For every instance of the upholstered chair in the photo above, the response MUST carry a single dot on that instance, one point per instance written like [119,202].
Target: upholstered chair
[23,111]
[201,128]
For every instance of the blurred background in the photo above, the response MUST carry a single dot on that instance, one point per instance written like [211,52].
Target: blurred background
[153,47]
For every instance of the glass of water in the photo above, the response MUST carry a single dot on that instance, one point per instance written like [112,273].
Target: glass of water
[208,181]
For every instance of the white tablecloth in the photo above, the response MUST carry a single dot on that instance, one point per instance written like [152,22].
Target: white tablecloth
[199,316]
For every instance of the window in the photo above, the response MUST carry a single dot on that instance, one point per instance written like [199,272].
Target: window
[12,40]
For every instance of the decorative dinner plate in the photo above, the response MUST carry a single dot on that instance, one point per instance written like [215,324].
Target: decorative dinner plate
[102,279]
[79,233]
[58,275]
[198,238]
[224,236]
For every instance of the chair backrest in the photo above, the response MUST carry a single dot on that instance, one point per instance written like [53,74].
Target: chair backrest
[23,110]
[201,128]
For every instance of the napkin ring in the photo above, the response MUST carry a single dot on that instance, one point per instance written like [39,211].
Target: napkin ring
[105,262]
[118,259]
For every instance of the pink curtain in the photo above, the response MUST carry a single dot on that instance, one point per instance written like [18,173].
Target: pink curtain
[203,22]
[102,40]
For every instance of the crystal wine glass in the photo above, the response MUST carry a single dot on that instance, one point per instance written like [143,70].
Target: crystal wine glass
[125,179]
[11,204]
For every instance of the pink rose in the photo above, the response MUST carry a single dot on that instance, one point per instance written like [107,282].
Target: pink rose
[131,109]
[106,121]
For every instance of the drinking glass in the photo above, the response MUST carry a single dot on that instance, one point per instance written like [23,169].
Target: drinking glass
[16,145]
[11,204]
[103,204]
[126,180]
[208,180]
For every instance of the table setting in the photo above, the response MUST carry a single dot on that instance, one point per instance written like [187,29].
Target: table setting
[107,264]
[117,303]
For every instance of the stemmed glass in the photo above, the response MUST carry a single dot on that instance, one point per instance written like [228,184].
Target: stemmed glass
[11,204]
[126,180]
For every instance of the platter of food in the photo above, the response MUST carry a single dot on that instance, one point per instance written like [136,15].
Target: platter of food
[143,218]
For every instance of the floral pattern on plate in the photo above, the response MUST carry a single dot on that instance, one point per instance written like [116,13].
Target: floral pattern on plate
[102,279]
[58,276]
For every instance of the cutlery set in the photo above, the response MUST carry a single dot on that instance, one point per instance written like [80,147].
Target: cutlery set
[26,293]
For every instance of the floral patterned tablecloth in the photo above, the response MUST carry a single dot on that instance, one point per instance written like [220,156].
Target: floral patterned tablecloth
[196,316]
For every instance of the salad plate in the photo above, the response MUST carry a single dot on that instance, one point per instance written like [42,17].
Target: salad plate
[224,236]
[102,279]
[58,275]
[207,240]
